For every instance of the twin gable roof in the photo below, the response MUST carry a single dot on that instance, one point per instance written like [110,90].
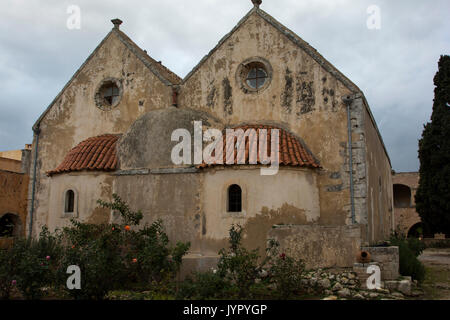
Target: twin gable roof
[171,79]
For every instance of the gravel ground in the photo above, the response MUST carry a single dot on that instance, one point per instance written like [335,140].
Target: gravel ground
[437,282]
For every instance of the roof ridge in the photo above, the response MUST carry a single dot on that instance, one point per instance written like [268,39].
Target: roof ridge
[161,71]
[38,121]
[221,41]
[309,49]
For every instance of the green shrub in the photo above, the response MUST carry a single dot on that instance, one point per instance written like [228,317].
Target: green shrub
[110,257]
[96,250]
[203,286]
[242,273]
[7,276]
[284,272]
[417,246]
[409,250]
[32,264]
[237,265]
[114,257]
[155,259]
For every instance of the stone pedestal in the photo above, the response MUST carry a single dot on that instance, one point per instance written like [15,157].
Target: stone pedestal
[388,259]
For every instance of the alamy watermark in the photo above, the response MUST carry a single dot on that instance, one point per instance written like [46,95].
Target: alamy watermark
[374,19]
[74,19]
[374,280]
[236,151]
[74,280]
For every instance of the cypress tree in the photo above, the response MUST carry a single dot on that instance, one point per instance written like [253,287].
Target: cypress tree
[433,194]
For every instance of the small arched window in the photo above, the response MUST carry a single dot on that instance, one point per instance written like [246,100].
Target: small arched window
[9,225]
[234,198]
[69,203]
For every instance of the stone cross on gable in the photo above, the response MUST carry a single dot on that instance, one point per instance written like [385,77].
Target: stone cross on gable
[256,3]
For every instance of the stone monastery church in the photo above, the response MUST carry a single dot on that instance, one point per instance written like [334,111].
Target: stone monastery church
[110,131]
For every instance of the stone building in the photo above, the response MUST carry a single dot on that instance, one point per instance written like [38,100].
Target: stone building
[110,130]
[407,219]
[14,179]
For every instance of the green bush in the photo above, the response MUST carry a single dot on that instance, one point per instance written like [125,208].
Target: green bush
[417,246]
[96,250]
[155,260]
[113,256]
[409,250]
[284,272]
[7,276]
[237,265]
[203,286]
[110,257]
[242,273]
[31,265]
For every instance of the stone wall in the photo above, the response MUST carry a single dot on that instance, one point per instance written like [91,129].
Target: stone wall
[320,246]
[380,211]
[13,198]
[405,218]
[10,165]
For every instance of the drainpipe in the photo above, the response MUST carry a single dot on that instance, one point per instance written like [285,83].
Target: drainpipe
[33,187]
[348,101]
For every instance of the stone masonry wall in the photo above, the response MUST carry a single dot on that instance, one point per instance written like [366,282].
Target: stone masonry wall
[319,246]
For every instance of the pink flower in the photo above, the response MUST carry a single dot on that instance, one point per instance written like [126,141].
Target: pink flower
[47,257]
[14,282]
[283,256]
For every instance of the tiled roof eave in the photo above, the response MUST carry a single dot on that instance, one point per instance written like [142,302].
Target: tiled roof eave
[292,150]
[93,154]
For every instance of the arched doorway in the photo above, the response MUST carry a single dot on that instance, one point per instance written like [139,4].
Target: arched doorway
[10,226]
[419,230]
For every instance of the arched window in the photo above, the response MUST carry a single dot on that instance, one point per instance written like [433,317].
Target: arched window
[10,225]
[234,198]
[402,196]
[69,203]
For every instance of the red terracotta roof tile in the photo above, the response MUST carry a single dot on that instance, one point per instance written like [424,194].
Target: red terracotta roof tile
[292,151]
[96,153]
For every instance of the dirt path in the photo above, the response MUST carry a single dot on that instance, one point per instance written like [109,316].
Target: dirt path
[437,280]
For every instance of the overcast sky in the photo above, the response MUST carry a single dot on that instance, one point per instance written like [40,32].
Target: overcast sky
[394,65]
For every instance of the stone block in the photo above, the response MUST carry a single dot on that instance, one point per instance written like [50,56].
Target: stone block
[388,258]
[404,286]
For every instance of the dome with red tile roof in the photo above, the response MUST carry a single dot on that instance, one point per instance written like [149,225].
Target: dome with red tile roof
[96,153]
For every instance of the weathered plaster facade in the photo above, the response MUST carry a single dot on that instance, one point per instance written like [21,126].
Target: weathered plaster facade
[304,95]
